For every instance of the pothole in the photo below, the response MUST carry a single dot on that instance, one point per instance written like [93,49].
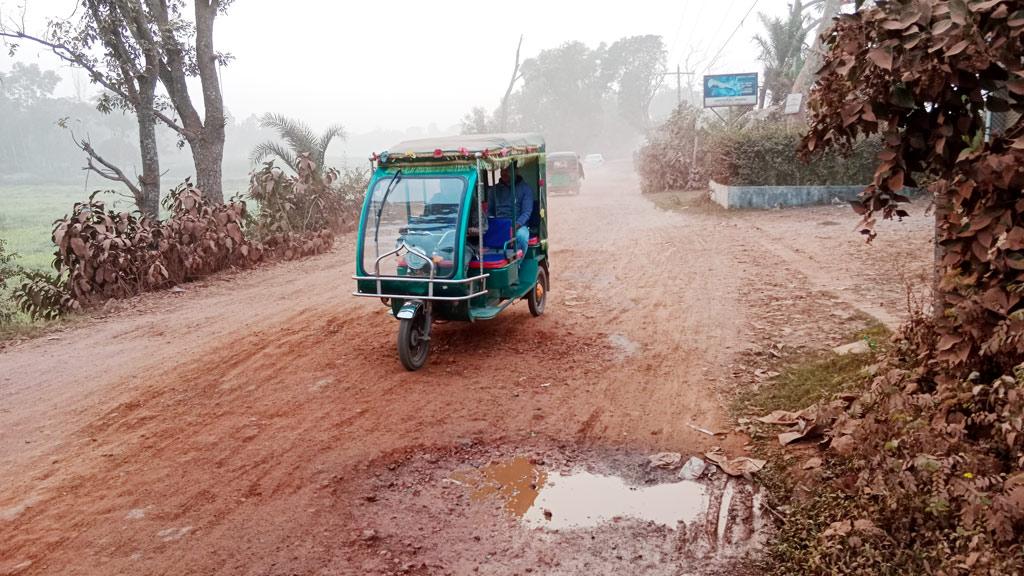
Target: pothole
[509,511]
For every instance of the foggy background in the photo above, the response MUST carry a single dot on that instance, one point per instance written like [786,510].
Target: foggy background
[386,72]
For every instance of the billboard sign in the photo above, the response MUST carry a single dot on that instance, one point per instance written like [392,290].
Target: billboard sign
[730,90]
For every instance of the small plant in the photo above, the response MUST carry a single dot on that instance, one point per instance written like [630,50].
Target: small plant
[7,272]
[44,295]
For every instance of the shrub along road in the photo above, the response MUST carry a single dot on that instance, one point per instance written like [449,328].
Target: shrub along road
[243,426]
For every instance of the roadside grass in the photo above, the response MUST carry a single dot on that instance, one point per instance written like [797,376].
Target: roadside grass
[806,505]
[805,380]
[679,201]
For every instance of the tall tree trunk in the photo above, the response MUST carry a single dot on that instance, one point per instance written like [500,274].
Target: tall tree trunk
[208,157]
[149,181]
[210,154]
[815,57]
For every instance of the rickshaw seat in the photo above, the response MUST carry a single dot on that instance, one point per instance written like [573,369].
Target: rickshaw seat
[492,260]
[499,232]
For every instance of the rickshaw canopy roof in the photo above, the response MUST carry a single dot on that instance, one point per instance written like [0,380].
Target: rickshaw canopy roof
[495,148]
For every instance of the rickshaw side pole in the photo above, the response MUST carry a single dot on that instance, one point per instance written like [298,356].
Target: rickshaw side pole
[480,219]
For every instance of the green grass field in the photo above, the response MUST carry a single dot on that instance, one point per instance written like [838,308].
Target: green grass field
[27,213]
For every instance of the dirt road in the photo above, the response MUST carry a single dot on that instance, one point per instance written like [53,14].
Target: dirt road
[260,423]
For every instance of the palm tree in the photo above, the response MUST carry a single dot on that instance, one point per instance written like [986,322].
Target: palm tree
[298,139]
[782,52]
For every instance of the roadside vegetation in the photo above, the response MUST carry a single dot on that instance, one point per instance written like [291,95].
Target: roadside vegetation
[909,459]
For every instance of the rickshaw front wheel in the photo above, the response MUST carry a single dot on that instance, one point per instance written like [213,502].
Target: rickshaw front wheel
[414,341]
[539,295]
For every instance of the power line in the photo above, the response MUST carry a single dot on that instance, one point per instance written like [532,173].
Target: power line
[678,52]
[734,31]
[721,22]
[679,28]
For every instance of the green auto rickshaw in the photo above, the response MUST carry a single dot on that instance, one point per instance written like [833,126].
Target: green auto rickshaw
[565,172]
[432,248]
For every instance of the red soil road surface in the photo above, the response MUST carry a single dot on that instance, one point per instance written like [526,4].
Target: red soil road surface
[196,433]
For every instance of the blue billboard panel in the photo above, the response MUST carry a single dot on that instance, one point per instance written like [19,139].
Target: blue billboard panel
[730,90]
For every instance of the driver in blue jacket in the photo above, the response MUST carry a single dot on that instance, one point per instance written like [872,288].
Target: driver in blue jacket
[514,202]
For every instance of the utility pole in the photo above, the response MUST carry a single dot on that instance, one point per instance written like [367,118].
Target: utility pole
[679,82]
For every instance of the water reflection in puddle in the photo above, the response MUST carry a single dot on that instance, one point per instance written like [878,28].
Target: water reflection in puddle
[583,500]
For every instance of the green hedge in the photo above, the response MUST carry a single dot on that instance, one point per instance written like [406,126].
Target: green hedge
[766,156]
[762,155]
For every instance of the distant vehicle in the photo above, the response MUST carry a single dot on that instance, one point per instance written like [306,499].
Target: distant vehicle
[565,172]
[594,159]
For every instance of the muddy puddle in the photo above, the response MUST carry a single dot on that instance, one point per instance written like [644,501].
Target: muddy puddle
[580,499]
[550,513]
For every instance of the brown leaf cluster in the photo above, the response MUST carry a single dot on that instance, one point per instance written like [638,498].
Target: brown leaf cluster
[926,74]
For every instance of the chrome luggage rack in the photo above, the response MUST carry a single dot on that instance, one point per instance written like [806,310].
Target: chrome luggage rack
[430,281]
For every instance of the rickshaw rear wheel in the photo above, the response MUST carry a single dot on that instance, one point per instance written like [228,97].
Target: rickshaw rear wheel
[539,295]
[414,341]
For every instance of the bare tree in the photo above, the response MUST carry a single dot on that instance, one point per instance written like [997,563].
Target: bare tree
[516,75]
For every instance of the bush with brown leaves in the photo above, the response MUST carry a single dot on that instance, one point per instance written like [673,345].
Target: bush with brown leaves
[103,254]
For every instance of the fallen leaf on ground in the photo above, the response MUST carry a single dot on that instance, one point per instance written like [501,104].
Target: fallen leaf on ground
[781,418]
[812,464]
[740,466]
[665,459]
[858,347]
[804,430]
[844,445]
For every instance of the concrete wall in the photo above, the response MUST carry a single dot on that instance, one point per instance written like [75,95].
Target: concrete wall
[779,196]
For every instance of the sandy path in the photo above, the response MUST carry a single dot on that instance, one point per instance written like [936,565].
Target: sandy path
[232,429]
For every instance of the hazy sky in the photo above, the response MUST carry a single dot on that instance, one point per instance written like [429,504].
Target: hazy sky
[402,63]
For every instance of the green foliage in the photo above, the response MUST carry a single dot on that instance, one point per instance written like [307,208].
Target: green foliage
[816,377]
[765,155]
[782,51]
[299,139]
[634,65]
[761,155]
[308,201]
[478,121]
